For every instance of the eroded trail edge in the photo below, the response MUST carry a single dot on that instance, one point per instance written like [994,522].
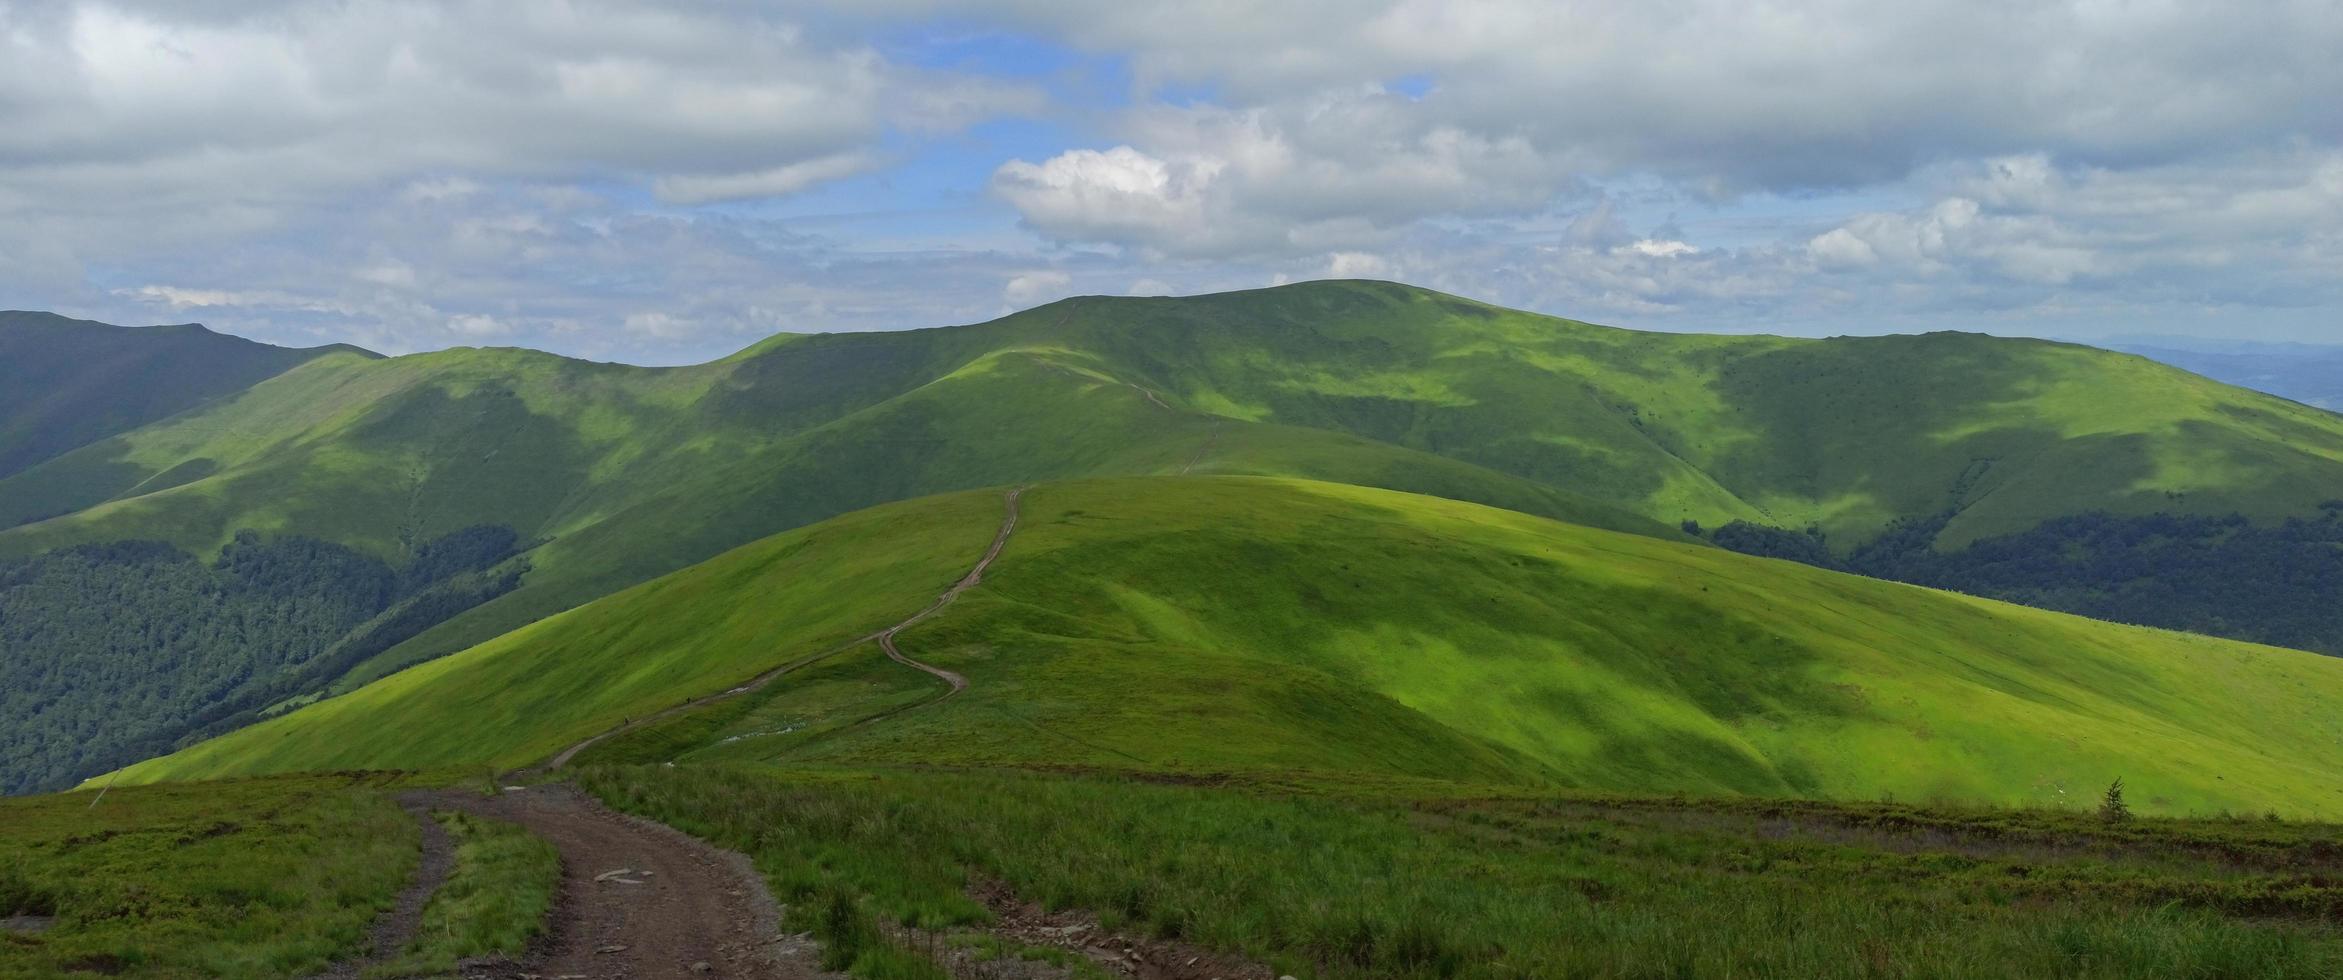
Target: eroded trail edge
[395,928]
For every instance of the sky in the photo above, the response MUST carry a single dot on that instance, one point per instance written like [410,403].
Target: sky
[664,183]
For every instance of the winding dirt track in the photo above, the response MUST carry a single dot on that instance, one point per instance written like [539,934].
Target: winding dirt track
[967,582]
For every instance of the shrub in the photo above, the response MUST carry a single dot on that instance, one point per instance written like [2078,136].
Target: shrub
[2112,808]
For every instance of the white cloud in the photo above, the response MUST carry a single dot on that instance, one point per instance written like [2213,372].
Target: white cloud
[179,298]
[1842,247]
[477,325]
[2251,228]
[775,182]
[135,126]
[1659,248]
[659,326]
[1818,93]
[395,172]
[392,273]
[1358,265]
[1033,288]
[1118,195]
[184,298]
[1340,171]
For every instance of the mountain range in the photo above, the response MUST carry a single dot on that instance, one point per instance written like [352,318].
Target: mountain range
[1345,525]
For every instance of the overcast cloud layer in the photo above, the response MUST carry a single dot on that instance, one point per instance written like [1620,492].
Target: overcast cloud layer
[663,183]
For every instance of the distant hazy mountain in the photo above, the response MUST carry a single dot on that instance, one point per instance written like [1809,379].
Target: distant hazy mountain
[65,383]
[2308,373]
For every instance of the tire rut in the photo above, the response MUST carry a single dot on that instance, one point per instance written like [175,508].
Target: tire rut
[394,929]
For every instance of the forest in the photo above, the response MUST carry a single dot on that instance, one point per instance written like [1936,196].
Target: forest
[119,651]
[2280,584]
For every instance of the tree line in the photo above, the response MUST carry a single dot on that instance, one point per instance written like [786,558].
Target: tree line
[2280,584]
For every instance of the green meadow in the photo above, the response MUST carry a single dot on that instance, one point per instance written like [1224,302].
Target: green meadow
[259,878]
[1428,879]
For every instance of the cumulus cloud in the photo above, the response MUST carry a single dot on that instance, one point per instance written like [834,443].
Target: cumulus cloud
[1337,171]
[226,117]
[1031,288]
[1816,94]
[599,178]
[2257,224]
[776,182]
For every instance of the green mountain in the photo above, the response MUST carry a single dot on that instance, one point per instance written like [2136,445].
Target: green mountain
[1848,433]
[611,475]
[1206,626]
[65,383]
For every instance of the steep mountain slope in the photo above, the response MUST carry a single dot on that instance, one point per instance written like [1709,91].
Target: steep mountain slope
[1207,625]
[65,383]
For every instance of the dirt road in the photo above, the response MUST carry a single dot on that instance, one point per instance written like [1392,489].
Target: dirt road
[639,899]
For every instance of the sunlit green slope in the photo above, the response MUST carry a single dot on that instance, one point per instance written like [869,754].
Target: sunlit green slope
[1241,624]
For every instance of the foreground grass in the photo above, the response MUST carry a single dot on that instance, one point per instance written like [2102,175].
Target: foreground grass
[1412,881]
[263,878]
[495,901]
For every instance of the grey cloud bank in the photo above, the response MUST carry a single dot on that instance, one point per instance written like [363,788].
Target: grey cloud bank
[622,179]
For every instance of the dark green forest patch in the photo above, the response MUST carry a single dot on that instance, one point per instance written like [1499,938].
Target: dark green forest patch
[110,653]
[2280,584]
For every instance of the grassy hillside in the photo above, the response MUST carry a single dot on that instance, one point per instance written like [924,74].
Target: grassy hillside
[66,383]
[1224,625]
[519,698]
[1848,433]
